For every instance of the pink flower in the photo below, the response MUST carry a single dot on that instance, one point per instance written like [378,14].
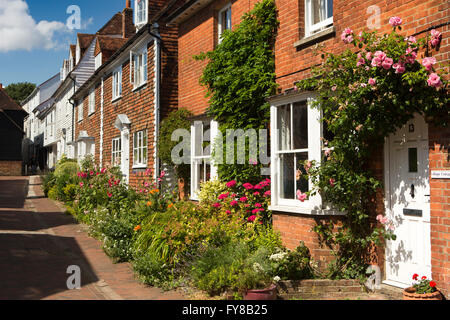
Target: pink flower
[246,205]
[434,80]
[369,55]
[411,55]
[395,21]
[256,193]
[380,55]
[251,218]
[376,62]
[233,203]
[327,152]
[360,62]
[109,195]
[81,184]
[347,36]
[387,63]
[257,187]
[435,38]
[103,170]
[216,205]
[92,173]
[231,183]
[301,196]
[333,88]
[332,181]
[412,39]
[253,161]
[399,67]
[223,195]
[228,212]
[267,193]
[308,166]
[248,186]
[163,173]
[243,199]
[258,205]
[428,62]
[372,81]
[359,127]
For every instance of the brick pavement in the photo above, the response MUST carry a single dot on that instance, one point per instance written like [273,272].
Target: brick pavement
[38,242]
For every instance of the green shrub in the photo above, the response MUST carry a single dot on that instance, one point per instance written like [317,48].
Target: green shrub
[292,265]
[70,192]
[152,271]
[66,168]
[53,193]
[48,181]
[210,190]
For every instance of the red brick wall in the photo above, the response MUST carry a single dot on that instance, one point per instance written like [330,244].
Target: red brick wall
[293,64]
[10,168]
[199,34]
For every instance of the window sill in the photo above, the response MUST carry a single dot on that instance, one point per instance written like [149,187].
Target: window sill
[139,166]
[302,210]
[91,113]
[316,37]
[139,86]
[116,99]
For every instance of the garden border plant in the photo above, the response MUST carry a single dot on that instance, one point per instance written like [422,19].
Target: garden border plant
[366,94]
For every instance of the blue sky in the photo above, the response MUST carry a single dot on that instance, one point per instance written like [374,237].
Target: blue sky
[47,37]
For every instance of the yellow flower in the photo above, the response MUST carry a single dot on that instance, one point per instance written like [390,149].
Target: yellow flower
[138,227]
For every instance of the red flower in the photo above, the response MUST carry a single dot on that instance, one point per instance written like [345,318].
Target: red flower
[415,276]
[423,278]
[432,284]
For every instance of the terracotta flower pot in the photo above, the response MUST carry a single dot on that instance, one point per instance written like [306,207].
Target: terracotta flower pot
[269,293]
[410,294]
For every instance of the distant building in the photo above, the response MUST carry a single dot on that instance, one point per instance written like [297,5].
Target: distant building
[11,134]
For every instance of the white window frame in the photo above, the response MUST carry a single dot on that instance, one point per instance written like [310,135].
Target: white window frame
[310,28]
[224,25]
[80,111]
[91,108]
[116,151]
[140,14]
[198,159]
[138,67]
[313,205]
[117,83]
[139,146]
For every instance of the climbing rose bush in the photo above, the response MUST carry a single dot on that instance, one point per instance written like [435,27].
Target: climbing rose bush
[366,93]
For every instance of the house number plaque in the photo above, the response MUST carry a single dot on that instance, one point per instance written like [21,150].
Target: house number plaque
[440,174]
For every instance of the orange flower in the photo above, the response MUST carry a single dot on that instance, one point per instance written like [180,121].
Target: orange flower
[170,205]
[149,203]
[138,227]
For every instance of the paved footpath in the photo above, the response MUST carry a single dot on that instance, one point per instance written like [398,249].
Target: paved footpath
[38,242]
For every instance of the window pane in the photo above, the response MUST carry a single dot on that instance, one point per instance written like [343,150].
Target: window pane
[284,123]
[287,175]
[302,182]
[329,8]
[412,159]
[300,125]
[206,145]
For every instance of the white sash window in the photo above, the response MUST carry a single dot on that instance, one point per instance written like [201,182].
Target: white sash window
[318,15]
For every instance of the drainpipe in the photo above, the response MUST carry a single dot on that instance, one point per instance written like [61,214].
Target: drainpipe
[157,68]
[73,113]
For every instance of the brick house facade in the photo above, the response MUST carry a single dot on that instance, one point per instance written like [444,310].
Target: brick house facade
[124,126]
[199,23]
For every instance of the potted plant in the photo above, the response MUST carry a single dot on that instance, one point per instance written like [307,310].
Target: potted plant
[255,284]
[423,289]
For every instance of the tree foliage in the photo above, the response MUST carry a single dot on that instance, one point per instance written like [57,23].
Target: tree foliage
[20,91]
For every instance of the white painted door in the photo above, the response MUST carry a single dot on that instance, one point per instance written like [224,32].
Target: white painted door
[125,155]
[408,203]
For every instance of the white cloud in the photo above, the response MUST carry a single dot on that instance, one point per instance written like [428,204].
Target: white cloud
[19,31]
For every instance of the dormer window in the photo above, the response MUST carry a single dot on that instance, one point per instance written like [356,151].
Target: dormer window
[140,12]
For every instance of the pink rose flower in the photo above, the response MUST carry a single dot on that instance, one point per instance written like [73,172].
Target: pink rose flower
[347,36]
[372,81]
[231,183]
[399,67]
[387,63]
[411,55]
[395,21]
[369,55]
[333,88]
[380,55]
[360,62]
[412,39]
[435,38]
[434,80]
[428,62]
[301,196]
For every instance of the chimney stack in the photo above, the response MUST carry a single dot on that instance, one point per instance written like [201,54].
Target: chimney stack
[128,28]
[1,86]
